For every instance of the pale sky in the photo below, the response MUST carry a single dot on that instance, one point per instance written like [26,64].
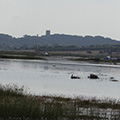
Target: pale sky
[76,17]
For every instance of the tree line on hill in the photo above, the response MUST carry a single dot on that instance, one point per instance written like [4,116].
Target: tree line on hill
[56,41]
[109,49]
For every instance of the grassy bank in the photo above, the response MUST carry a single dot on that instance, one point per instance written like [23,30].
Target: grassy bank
[94,60]
[35,55]
[29,57]
[15,104]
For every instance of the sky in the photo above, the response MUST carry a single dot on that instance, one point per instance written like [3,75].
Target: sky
[75,17]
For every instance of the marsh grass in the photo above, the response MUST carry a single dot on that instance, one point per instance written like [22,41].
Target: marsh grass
[16,104]
[28,57]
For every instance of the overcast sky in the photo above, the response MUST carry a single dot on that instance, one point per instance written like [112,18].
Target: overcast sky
[76,17]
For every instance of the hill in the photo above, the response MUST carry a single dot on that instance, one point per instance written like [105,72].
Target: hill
[8,42]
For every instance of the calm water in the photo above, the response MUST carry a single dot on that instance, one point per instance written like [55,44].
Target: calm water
[53,77]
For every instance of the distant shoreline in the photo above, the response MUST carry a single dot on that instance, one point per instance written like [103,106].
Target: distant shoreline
[5,56]
[96,60]
[32,55]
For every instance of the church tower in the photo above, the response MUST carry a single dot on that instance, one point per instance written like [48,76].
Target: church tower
[47,33]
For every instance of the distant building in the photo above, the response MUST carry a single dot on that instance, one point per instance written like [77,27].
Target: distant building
[47,33]
[46,53]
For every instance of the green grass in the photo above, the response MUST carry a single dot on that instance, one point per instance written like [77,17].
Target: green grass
[5,56]
[17,104]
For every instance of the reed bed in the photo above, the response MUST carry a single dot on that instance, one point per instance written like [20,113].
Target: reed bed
[16,104]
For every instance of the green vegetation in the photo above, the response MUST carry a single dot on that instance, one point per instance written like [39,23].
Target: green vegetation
[20,55]
[95,60]
[16,104]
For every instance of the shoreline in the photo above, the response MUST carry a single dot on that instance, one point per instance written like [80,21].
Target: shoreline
[33,55]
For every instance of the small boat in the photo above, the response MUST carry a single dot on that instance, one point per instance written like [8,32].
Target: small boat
[113,80]
[74,77]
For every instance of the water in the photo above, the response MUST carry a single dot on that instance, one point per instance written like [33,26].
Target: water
[53,77]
